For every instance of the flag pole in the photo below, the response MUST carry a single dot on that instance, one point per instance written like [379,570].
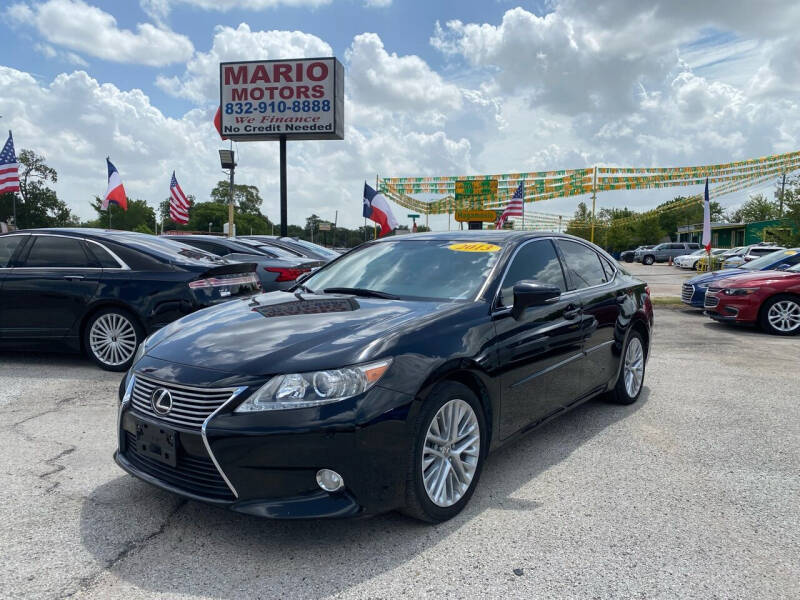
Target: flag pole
[374,227]
[523,204]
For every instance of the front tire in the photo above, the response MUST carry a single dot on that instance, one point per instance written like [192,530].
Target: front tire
[648,260]
[780,315]
[448,453]
[111,337]
[631,375]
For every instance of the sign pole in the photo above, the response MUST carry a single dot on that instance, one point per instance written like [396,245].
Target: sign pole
[284,211]
[230,206]
[594,202]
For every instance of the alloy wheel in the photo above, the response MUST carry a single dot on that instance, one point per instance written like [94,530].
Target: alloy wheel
[451,453]
[784,315]
[633,369]
[112,339]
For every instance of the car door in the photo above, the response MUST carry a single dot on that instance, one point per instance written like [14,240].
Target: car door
[594,279]
[535,351]
[47,290]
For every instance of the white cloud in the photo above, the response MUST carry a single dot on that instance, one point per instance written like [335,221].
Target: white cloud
[75,121]
[377,3]
[71,58]
[200,81]
[160,9]
[376,77]
[78,26]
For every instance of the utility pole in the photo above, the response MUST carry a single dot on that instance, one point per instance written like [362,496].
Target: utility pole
[284,210]
[783,187]
[230,206]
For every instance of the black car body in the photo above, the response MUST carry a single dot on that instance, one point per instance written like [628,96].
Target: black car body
[627,255]
[223,437]
[275,270]
[61,287]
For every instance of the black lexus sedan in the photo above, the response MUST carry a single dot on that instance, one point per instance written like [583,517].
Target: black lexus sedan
[103,291]
[382,380]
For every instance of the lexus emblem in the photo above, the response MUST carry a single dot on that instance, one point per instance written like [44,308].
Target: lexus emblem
[161,401]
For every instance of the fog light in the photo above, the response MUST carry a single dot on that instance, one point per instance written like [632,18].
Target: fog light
[330,481]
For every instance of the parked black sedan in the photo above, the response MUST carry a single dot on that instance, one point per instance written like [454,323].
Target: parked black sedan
[383,379]
[103,291]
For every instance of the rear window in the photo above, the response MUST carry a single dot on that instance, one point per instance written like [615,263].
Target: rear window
[321,250]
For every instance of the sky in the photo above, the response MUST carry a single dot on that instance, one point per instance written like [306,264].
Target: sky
[432,87]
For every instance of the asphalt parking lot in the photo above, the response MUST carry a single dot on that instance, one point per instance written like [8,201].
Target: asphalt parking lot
[664,280]
[693,492]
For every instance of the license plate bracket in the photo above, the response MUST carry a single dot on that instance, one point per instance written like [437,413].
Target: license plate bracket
[157,442]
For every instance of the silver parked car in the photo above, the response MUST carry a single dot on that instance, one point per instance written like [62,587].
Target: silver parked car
[663,252]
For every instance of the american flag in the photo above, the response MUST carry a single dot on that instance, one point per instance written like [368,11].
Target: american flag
[9,168]
[515,207]
[178,204]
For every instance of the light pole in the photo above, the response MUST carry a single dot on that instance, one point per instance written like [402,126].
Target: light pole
[209,226]
[226,159]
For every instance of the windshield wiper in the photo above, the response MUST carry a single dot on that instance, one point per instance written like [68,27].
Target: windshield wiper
[360,292]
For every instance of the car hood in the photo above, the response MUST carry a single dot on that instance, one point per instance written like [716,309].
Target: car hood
[758,278]
[281,332]
[715,275]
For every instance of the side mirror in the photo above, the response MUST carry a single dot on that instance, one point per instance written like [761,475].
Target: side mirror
[531,293]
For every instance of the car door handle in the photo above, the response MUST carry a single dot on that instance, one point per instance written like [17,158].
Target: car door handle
[571,311]
[73,277]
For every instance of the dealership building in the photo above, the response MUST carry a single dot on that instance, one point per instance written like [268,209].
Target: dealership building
[731,235]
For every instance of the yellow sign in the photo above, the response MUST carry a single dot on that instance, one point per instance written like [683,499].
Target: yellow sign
[474,247]
[463,216]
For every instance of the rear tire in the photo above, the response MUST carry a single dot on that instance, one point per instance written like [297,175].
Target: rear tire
[648,260]
[444,458]
[780,315]
[631,374]
[111,337]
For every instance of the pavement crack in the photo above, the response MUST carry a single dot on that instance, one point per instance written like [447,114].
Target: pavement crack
[56,467]
[86,583]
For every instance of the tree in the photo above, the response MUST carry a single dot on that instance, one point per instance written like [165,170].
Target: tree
[138,213]
[580,224]
[246,198]
[684,211]
[203,213]
[39,205]
[756,208]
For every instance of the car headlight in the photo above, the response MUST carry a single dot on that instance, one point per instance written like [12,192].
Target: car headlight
[303,390]
[141,350]
[739,291]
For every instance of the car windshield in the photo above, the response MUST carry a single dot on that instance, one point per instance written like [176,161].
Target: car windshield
[166,249]
[766,262]
[276,251]
[316,248]
[418,269]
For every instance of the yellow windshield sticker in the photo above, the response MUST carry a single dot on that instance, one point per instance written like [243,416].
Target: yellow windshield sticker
[790,252]
[474,247]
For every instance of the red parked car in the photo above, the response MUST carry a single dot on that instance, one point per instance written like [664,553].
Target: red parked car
[769,298]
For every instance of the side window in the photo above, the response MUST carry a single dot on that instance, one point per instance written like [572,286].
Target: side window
[608,268]
[104,259]
[535,260]
[584,264]
[8,244]
[677,246]
[53,251]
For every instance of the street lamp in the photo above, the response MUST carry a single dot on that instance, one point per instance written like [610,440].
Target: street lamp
[227,160]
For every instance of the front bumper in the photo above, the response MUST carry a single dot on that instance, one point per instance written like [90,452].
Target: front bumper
[266,462]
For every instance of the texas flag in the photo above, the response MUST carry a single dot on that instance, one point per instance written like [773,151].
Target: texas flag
[376,208]
[115,192]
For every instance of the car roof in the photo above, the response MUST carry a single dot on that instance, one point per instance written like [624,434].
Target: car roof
[485,235]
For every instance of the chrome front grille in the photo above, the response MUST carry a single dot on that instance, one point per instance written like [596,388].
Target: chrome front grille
[190,405]
[687,291]
[711,301]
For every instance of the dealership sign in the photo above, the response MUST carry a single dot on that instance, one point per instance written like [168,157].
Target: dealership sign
[476,215]
[301,99]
